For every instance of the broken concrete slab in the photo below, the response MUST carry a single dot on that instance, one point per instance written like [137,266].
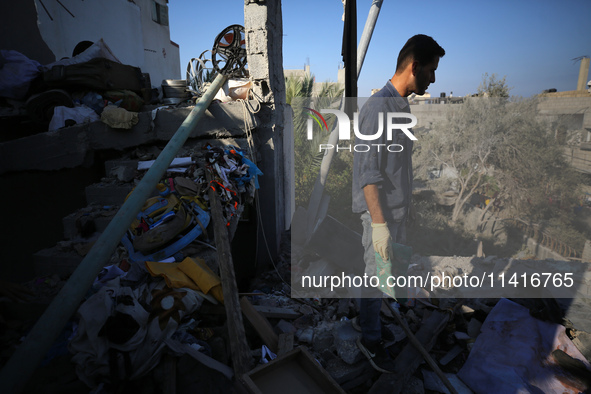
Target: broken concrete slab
[53,260]
[101,136]
[305,335]
[283,327]
[73,146]
[345,341]
[323,339]
[123,173]
[99,218]
[65,148]
[110,165]
[107,194]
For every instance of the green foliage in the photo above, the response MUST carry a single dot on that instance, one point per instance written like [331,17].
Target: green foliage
[301,93]
[500,143]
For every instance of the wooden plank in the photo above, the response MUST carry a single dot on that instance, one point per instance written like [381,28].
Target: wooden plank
[294,372]
[271,312]
[241,358]
[260,324]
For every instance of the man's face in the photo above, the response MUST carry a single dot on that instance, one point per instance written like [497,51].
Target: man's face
[425,75]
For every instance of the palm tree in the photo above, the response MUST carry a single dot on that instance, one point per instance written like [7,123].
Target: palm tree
[302,93]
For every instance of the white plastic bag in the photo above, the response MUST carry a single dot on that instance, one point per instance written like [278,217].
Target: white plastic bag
[234,89]
[79,114]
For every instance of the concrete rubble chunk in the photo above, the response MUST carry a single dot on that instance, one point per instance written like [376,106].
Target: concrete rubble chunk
[123,173]
[323,339]
[73,146]
[345,342]
[304,321]
[285,327]
[306,310]
[88,220]
[107,194]
[349,376]
[305,335]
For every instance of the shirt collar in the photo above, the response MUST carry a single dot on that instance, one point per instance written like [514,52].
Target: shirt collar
[392,90]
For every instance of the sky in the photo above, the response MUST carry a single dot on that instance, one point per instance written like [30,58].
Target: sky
[530,42]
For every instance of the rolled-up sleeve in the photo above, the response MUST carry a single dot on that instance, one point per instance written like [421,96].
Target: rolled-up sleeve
[375,164]
[367,164]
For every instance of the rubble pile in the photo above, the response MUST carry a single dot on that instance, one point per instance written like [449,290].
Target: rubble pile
[142,320]
[328,329]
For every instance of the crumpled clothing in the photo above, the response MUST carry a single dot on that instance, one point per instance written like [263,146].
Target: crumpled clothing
[119,118]
[17,72]
[151,313]
[79,114]
[190,273]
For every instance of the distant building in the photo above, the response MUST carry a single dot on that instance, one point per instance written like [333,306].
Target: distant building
[297,73]
[305,72]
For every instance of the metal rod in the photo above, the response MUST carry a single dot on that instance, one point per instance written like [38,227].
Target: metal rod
[370,23]
[419,346]
[27,356]
[313,211]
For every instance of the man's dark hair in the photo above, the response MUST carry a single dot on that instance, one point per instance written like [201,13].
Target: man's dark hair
[421,48]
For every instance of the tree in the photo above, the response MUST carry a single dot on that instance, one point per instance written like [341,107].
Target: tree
[300,93]
[463,146]
[493,87]
[500,142]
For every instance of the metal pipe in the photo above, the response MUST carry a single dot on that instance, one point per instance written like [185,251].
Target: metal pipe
[318,189]
[29,354]
[370,23]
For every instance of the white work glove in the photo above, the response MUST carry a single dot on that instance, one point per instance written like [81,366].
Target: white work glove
[380,237]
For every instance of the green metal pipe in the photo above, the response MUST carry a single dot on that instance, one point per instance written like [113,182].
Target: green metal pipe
[28,355]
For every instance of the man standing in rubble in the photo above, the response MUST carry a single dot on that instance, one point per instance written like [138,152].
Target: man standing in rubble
[382,179]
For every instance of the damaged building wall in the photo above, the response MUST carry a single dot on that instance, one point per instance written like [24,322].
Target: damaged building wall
[55,30]
[264,30]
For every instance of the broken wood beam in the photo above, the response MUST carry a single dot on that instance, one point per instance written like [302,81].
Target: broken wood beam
[260,324]
[241,358]
[410,357]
